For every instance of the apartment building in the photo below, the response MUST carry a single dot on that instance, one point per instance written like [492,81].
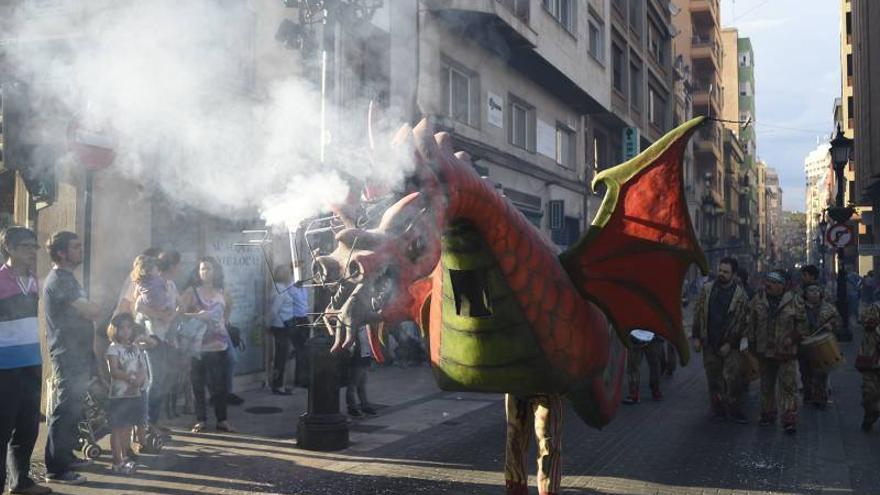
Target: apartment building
[773,191]
[863,72]
[818,192]
[544,93]
[699,43]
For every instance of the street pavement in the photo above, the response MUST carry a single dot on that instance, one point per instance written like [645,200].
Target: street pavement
[433,442]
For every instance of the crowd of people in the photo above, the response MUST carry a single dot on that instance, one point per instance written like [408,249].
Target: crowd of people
[159,346]
[782,335]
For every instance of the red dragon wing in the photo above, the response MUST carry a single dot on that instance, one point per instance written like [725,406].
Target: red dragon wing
[633,259]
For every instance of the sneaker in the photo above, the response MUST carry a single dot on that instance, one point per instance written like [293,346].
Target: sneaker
[281,391]
[66,478]
[790,429]
[234,400]
[355,412]
[32,489]
[766,420]
[656,395]
[368,410]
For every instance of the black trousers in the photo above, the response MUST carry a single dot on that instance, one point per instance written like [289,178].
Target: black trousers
[210,372]
[296,335]
[19,422]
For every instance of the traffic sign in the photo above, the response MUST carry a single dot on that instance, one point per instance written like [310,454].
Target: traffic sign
[840,235]
[93,149]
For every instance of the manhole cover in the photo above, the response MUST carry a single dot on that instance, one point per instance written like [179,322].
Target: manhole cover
[263,410]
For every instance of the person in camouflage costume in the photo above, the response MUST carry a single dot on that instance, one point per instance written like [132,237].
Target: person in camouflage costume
[718,327]
[541,414]
[868,363]
[653,352]
[822,317]
[777,322]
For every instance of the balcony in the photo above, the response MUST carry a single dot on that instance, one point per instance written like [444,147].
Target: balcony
[509,17]
[704,95]
[708,142]
[705,53]
[704,12]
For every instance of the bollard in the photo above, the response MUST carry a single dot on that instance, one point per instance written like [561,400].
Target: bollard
[322,427]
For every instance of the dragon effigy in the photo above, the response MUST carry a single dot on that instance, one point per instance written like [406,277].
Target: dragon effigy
[503,310]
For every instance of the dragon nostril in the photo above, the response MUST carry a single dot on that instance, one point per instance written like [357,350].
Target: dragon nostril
[355,270]
[326,269]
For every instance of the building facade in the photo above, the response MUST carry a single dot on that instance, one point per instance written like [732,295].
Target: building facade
[818,192]
[699,43]
[861,19]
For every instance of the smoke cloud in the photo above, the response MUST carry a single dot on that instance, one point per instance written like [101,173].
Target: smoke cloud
[189,93]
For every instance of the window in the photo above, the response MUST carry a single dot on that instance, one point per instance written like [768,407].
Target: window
[635,15]
[565,148]
[461,94]
[850,107]
[745,89]
[617,67]
[849,64]
[635,85]
[563,11]
[656,108]
[656,43]
[597,39]
[745,60]
[522,124]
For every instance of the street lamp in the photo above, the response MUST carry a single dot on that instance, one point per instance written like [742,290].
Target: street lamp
[841,147]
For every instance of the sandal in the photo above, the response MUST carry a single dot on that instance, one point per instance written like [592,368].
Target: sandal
[126,467]
[198,427]
[225,427]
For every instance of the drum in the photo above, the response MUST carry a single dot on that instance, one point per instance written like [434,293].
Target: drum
[751,368]
[822,351]
[641,338]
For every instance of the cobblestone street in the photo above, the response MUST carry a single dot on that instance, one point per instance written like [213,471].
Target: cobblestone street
[426,441]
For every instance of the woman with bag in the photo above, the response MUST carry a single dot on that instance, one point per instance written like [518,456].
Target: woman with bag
[206,300]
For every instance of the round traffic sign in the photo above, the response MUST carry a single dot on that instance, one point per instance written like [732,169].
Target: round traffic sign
[840,235]
[93,149]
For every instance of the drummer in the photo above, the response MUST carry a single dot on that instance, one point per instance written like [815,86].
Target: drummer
[822,317]
[777,322]
[809,276]
[645,343]
[718,329]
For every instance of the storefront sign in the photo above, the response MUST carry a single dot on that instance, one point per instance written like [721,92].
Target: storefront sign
[495,110]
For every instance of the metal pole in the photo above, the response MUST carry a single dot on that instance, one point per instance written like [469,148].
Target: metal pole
[322,427]
[842,302]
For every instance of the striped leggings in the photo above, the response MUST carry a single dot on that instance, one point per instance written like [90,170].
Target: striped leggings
[544,412]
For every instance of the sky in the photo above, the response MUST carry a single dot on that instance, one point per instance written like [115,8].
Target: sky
[797,77]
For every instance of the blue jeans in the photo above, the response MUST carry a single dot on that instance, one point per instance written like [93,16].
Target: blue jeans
[71,383]
[19,422]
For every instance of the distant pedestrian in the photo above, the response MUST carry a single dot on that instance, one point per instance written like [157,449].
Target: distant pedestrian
[356,391]
[129,378]
[20,359]
[70,334]
[718,329]
[289,324]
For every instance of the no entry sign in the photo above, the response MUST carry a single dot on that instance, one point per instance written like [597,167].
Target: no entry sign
[93,149]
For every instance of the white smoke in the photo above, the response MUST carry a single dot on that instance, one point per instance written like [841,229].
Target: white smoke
[177,82]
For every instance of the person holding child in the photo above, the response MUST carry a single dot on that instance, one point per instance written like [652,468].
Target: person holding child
[129,379]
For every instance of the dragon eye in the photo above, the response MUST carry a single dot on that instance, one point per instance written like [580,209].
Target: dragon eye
[415,248]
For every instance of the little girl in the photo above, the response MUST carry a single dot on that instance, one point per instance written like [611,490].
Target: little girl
[153,298]
[129,376]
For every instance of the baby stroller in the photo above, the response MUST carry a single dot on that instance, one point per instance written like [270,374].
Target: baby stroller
[95,423]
